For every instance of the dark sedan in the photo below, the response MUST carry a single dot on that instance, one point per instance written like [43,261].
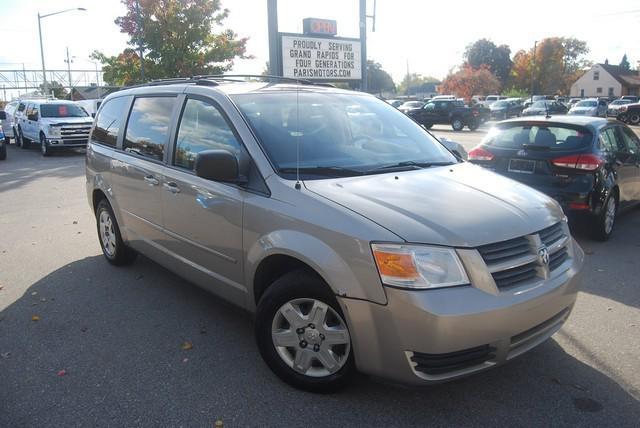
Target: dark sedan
[545,107]
[504,109]
[591,166]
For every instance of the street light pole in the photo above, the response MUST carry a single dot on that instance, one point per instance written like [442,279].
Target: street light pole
[533,67]
[69,75]
[45,87]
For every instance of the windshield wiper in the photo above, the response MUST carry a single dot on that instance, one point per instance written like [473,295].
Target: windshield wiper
[406,166]
[335,171]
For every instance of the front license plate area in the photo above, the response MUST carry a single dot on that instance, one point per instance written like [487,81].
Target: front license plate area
[522,166]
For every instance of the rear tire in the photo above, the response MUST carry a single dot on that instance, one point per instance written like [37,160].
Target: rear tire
[303,338]
[604,222]
[634,119]
[457,124]
[3,151]
[113,247]
[474,126]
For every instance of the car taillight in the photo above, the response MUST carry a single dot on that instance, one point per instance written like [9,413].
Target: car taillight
[475,113]
[479,154]
[588,162]
[622,109]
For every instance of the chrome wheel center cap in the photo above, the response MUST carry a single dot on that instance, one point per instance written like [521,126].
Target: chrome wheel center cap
[312,335]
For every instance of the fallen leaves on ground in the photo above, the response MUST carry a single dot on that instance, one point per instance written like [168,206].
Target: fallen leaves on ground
[35,318]
[186,345]
[62,372]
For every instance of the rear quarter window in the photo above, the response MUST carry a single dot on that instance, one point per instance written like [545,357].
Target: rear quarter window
[147,130]
[554,137]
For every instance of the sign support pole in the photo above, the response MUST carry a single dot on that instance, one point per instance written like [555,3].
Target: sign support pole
[275,56]
[363,44]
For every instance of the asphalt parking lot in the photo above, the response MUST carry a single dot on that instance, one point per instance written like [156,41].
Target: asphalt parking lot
[83,343]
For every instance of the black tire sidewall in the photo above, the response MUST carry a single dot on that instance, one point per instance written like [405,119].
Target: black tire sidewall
[45,149]
[123,254]
[453,124]
[298,284]
[599,231]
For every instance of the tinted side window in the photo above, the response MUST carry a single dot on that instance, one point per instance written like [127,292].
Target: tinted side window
[109,121]
[630,139]
[148,126]
[21,107]
[616,141]
[202,127]
[606,143]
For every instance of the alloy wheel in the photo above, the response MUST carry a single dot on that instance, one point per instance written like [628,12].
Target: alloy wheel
[107,234]
[610,215]
[311,337]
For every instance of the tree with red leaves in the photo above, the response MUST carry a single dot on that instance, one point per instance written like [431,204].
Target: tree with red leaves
[469,81]
[178,40]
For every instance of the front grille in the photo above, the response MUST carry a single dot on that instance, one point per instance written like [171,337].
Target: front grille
[75,132]
[557,258]
[516,261]
[551,234]
[438,364]
[505,250]
[515,276]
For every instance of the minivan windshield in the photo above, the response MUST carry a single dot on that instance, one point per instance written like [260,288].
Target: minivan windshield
[337,134]
[62,110]
[538,136]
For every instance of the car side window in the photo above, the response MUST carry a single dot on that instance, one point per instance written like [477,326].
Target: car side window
[202,127]
[148,127]
[630,140]
[616,141]
[430,106]
[606,143]
[109,121]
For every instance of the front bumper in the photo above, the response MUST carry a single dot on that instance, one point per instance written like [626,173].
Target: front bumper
[60,142]
[462,329]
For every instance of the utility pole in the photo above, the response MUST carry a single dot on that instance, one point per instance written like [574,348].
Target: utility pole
[45,87]
[68,61]
[139,23]
[533,67]
[97,79]
[275,57]
[363,44]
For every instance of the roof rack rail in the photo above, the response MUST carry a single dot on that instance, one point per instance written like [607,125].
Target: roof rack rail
[211,79]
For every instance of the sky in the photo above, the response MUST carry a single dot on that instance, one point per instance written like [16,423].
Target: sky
[430,37]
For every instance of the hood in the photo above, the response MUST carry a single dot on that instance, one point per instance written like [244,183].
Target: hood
[68,120]
[462,205]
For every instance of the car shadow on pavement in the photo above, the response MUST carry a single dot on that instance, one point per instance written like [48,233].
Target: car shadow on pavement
[609,266]
[31,165]
[94,345]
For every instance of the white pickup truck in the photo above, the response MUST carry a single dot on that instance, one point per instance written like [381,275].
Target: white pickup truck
[54,124]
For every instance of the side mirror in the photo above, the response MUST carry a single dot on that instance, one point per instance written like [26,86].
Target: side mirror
[218,165]
[93,115]
[32,116]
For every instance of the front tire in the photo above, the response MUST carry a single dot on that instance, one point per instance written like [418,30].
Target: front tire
[113,247]
[604,222]
[457,124]
[302,335]
[3,151]
[634,119]
[44,146]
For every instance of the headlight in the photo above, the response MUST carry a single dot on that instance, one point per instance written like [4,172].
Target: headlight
[54,131]
[418,266]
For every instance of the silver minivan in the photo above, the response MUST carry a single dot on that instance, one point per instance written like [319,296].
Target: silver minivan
[357,240]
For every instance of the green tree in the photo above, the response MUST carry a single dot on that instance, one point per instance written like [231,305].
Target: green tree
[415,83]
[624,64]
[178,40]
[485,52]
[59,91]
[378,80]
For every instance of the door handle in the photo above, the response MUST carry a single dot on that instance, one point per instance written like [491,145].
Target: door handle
[151,180]
[172,187]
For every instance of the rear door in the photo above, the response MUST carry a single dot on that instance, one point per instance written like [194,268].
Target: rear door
[203,218]
[632,159]
[137,170]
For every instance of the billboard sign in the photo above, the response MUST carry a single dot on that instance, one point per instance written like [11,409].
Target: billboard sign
[319,58]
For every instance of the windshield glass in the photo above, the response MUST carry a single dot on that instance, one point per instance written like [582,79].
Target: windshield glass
[619,102]
[500,104]
[334,130]
[412,104]
[587,104]
[62,110]
[540,104]
[538,136]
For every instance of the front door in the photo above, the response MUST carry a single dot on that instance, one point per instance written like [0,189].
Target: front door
[203,218]
[625,162]
[137,171]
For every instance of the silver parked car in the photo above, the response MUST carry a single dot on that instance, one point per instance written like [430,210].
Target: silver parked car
[356,238]
[590,107]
